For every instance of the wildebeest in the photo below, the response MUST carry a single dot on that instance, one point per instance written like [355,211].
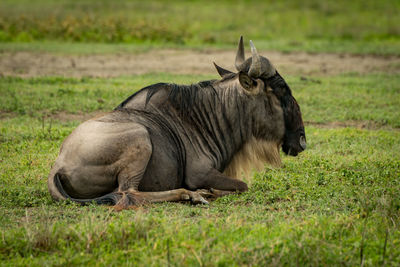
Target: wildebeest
[171,142]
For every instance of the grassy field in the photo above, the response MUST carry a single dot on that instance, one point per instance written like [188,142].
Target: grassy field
[337,203]
[361,26]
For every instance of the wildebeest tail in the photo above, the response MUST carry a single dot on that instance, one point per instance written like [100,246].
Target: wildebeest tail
[108,199]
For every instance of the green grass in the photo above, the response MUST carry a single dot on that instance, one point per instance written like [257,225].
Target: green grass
[335,204]
[332,26]
[322,99]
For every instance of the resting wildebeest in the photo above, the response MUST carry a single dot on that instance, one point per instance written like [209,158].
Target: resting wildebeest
[171,142]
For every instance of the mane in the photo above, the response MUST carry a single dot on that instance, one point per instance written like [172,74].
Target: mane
[182,97]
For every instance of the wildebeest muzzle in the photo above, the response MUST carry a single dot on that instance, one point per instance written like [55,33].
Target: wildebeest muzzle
[294,142]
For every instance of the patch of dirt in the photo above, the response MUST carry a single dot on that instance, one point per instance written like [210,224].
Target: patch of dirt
[369,125]
[59,116]
[33,64]
[65,116]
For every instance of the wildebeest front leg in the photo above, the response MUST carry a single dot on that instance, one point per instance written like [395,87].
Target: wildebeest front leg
[218,183]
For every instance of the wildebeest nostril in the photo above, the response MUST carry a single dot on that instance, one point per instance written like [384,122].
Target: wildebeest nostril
[303,143]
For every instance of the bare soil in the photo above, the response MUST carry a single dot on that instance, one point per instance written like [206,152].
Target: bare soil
[34,64]
[368,125]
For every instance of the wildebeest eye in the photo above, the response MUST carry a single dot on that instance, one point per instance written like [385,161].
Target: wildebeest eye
[268,89]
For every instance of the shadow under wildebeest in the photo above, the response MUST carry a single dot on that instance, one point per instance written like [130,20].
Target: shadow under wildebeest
[171,142]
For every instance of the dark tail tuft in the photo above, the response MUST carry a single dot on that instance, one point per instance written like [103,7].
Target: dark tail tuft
[108,199]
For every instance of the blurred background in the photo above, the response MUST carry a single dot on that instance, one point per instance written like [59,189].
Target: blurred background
[359,26]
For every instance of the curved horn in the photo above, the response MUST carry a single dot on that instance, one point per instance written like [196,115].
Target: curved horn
[255,68]
[239,55]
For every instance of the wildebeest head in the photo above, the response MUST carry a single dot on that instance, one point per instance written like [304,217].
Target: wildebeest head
[258,68]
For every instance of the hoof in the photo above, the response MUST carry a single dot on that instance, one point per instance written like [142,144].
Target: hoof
[194,197]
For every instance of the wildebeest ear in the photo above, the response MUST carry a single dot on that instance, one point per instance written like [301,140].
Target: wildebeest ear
[221,71]
[250,85]
[246,82]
